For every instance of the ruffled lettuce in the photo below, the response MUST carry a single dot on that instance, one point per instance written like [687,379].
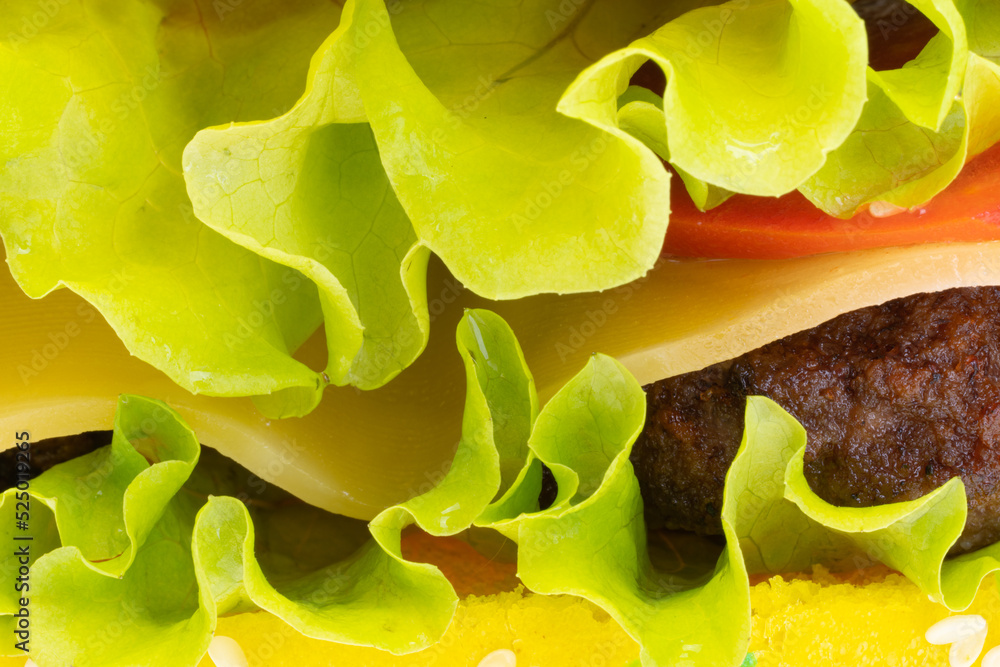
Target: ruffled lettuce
[308,190]
[922,122]
[763,106]
[325,214]
[757,92]
[591,541]
[461,98]
[640,113]
[136,532]
[99,102]
[502,138]
[137,536]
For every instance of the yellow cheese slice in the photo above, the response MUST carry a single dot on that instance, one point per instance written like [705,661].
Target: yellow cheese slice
[362,451]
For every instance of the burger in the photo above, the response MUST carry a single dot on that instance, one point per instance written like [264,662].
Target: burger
[649,329]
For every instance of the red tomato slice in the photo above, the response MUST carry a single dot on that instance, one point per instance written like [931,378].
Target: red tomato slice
[758,228]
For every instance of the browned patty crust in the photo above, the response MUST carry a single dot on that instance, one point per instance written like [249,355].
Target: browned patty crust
[896,399]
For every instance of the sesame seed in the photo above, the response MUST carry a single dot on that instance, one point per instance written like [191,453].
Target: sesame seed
[499,658]
[226,652]
[964,652]
[955,628]
[992,657]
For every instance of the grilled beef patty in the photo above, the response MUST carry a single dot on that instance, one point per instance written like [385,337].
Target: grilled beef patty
[896,399]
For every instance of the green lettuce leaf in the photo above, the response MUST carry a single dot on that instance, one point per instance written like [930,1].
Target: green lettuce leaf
[640,113]
[747,107]
[136,536]
[813,119]
[99,103]
[591,542]
[308,190]
[911,537]
[924,88]
[922,122]
[501,138]
[461,99]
